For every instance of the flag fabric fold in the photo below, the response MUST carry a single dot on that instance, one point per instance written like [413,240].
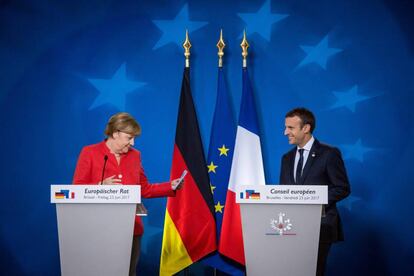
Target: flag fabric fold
[247,169]
[189,226]
[220,155]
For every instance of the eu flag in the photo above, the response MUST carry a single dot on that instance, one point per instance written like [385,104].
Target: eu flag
[220,156]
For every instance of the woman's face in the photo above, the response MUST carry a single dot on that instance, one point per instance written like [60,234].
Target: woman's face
[123,141]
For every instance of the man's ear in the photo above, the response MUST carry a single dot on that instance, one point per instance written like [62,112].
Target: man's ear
[306,128]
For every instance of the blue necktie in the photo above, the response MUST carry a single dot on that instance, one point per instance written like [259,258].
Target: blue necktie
[299,167]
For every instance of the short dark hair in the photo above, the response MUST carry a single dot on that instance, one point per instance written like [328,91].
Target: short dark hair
[305,115]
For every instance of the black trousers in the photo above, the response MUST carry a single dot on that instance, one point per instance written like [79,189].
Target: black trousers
[323,252]
[136,248]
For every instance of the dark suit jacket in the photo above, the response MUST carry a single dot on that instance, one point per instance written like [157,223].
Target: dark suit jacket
[324,166]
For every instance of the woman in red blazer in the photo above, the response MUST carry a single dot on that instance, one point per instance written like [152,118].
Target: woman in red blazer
[122,166]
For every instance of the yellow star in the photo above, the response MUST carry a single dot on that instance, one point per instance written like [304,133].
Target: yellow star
[212,167]
[219,207]
[212,188]
[223,150]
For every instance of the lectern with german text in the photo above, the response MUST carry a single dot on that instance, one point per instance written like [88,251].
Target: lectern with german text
[95,227]
[281,225]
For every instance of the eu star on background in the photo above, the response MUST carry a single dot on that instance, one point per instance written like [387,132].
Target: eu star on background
[348,99]
[355,151]
[173,30]
[114,90]
[261,21]
[319,53]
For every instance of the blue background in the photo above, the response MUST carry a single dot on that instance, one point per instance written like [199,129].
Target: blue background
[66,66]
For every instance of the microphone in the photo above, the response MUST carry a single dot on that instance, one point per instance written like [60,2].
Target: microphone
[103,170]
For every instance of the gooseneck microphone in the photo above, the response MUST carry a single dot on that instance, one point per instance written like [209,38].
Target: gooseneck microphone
[103,170]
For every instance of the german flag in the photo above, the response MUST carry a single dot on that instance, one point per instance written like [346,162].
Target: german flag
[189,226]
[59,195]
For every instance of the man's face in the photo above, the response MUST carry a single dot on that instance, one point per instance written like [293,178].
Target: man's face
[296,134]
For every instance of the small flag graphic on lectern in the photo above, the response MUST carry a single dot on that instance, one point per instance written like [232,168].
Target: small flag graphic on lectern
[64,194]
[250,194]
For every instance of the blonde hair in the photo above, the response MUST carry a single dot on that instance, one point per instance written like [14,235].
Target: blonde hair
[123,122]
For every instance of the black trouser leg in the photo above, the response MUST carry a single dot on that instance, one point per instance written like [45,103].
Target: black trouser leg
[136,248]
[322,257]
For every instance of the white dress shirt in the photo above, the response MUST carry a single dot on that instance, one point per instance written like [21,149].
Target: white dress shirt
[306,151]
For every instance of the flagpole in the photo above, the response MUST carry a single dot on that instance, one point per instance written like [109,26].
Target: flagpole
[244,45]
[187,46]
[220,46]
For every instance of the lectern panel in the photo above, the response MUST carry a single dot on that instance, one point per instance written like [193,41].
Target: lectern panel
[281,239]
[95,239]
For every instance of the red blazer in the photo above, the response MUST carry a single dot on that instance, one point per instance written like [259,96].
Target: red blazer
[89,171]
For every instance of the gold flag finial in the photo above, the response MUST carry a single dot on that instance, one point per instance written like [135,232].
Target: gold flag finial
[220,46]
[244,45]
[187,46]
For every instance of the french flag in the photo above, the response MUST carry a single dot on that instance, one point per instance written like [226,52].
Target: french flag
[246,169]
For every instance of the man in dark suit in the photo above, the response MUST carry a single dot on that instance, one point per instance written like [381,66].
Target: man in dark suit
[313,163]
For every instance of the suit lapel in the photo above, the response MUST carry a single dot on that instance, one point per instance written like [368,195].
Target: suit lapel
[313,155]
[291,165]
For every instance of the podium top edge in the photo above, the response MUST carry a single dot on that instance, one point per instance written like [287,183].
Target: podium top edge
[66,193]
[282,194]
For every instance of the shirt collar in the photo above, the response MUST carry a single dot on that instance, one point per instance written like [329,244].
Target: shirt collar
[308,145]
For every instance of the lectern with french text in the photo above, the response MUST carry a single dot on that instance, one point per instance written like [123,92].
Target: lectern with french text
[281,225]
[95,227]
